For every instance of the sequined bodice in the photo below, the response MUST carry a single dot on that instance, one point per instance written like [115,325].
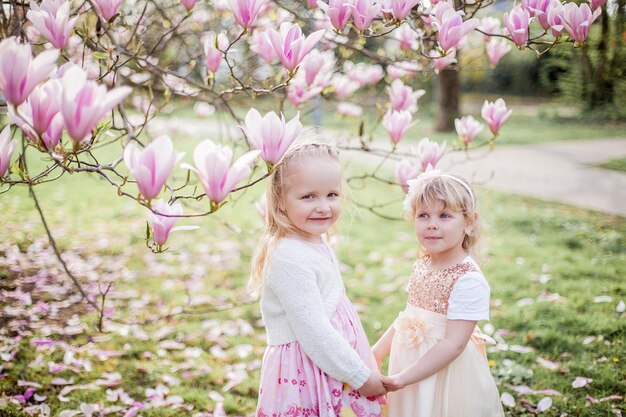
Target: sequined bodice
[430,289]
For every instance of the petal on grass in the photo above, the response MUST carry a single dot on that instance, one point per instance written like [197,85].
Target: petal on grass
[544,404]
[581,381]
[507,399]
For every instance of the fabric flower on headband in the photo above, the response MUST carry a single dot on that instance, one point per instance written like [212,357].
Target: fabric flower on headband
[416,185]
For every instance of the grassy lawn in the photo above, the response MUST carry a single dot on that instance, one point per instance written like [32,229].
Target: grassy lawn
[557,277]
[618,164]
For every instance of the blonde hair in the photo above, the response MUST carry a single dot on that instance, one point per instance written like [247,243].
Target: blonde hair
[277,224]
[455,193]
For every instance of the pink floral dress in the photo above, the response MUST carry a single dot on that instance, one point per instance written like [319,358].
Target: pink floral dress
[292,385]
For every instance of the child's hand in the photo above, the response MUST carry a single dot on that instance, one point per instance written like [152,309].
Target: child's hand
[373,387]
[392,383]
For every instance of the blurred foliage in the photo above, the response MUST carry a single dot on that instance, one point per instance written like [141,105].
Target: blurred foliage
[591,77]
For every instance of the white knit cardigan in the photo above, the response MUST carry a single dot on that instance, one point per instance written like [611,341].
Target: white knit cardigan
[301,291]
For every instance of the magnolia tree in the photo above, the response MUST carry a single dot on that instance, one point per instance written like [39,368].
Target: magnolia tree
[82,76]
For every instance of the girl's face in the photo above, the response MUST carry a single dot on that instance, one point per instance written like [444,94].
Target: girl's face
[441,230]
[312,196]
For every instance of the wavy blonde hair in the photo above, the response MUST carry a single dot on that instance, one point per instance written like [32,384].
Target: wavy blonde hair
[454,196]
[277,224]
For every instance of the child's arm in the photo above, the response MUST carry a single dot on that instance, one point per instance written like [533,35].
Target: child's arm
[383,346]
[458,333]
[297,291]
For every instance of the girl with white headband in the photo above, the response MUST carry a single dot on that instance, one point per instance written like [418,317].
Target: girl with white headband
[437,365]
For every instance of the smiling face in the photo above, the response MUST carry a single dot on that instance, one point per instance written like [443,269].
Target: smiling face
[441,230]
[312,197]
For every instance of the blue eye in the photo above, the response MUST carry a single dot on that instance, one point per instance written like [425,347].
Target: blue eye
[446,216]
[307,197]
[422,216]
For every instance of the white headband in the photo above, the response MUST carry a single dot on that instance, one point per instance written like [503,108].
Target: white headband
[416,184]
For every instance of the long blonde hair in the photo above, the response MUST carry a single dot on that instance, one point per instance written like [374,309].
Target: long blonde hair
[456,194]
[277,224]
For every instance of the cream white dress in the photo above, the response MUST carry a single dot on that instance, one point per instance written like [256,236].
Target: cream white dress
[464,388]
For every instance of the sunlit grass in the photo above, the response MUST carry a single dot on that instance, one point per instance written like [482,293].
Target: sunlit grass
[618,164]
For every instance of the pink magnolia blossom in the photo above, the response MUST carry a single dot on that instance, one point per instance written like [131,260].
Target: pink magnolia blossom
[516,23]
[246,11]
[7,146]
[406,171]
[318,67]
[337,11]
[217,176]
[214,47]
[188,4]
[107,8]
[407,37]
[364,73]
[85,102]
[299,92]
[453,29]
[163,219]
[19,72]
[538,9]
[442,62]
[45,103]
[577,20]
[489,25]
[363,12]
[291,45]
[39,116]
[396,123]
[403,97]
[349,109]
[344,86]
[52,20]
[596,4]
[32,34]
[400,9]
[403,69]
[496,49]
[261,45]
[152,165]
[555,18]
[467,128]
[271,134]
[495,114]
[435,17]
[429,152]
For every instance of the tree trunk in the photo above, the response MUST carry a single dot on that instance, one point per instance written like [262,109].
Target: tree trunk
[618,39]
[448,92]
[586,86]
[601,89]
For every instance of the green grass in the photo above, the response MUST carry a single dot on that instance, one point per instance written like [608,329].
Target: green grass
[531,252]
[618,164]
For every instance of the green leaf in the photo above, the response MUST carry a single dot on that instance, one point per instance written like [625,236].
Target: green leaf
[100,55]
